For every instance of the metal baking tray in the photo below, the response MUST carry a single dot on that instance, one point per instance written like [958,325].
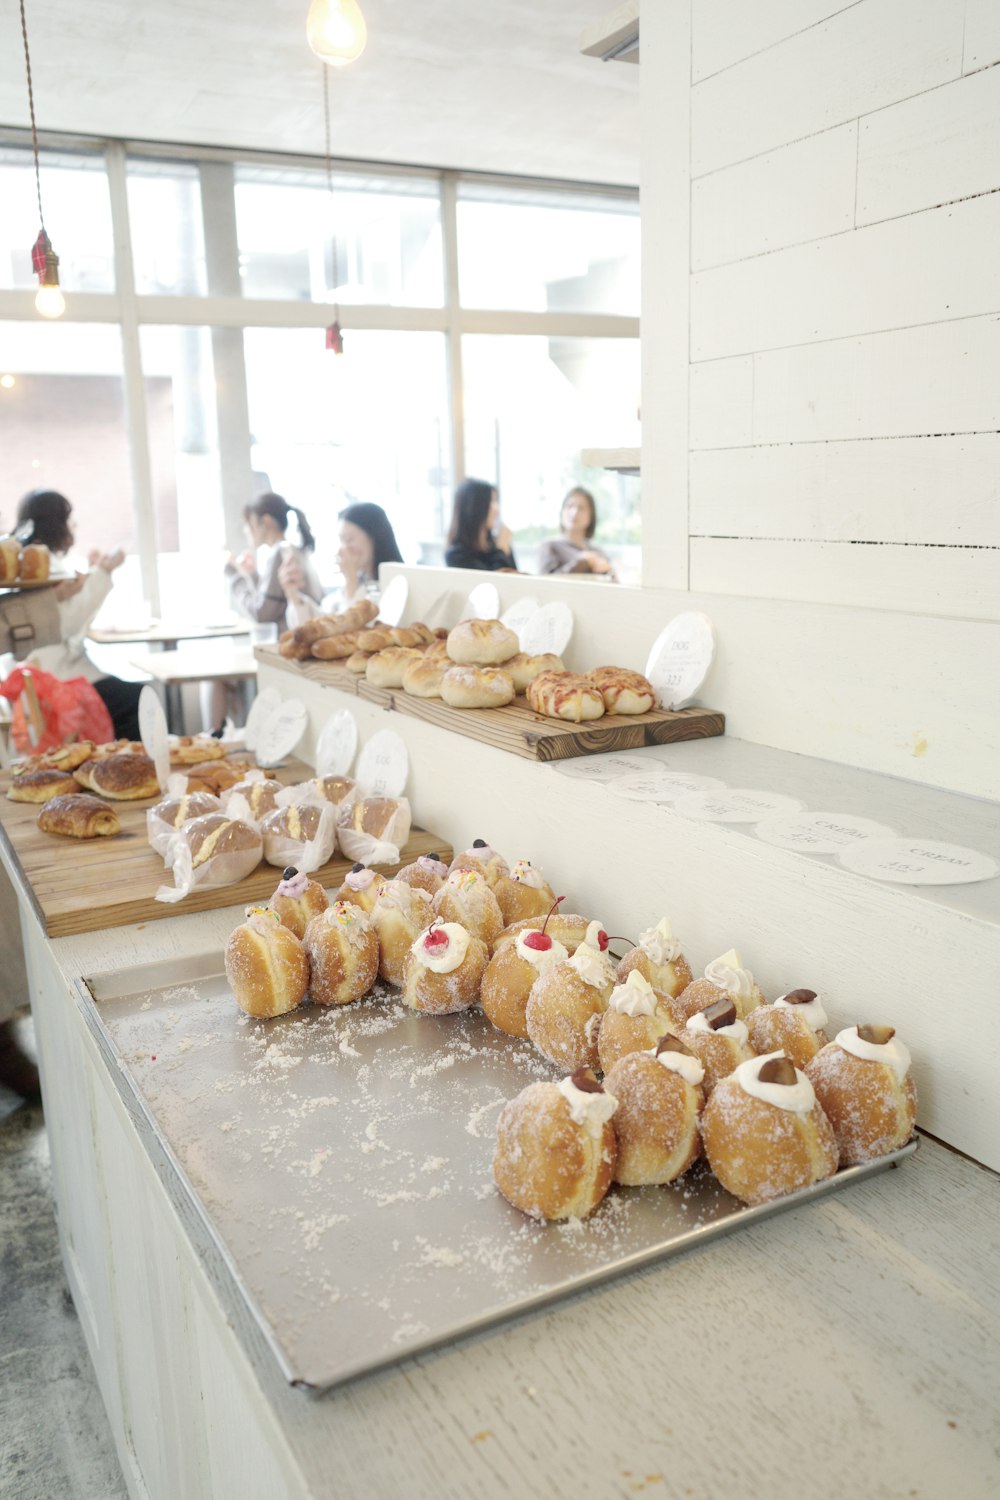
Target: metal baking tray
[340,1162]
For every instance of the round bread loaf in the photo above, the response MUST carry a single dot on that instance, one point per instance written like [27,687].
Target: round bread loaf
[123,778]
[482,643]
[524,669]
[36,562]
[423,678]
[477,687]
[385,669]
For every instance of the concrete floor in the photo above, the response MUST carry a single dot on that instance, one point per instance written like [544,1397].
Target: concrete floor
[55,1442]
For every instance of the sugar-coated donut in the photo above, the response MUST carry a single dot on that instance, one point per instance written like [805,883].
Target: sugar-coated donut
[343,954]
[863,1081]
[719,1040]
[484,859]
[482,643]
[511,974]
[427,872]
[567,928]
[523,893]
[793,1025]
[566,1003]
[659,1101]
[658,958]
[724,976]
[297,900]
[556,1148]
[765,1133]
[636,1018]
[362,887]
[401,913]
[465,897]
[266,965]
[444,969]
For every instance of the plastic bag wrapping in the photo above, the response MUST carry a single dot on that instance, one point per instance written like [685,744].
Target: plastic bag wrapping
[233,796]
[369,849]
[280,849]
[308,794]
[160,833]
[217,870]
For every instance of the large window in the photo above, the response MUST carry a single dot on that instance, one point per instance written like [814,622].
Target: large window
[196,374]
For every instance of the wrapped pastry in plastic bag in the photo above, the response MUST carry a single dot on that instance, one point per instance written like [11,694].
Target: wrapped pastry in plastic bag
[163,820]
[261,791]
[300,834]
[213,850]
[374,829]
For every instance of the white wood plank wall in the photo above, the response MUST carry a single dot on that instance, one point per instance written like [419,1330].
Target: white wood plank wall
[844,358]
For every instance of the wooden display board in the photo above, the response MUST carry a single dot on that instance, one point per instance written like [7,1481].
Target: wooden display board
[517,728]
[84,885]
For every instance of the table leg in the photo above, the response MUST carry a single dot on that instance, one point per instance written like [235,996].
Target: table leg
[175,707]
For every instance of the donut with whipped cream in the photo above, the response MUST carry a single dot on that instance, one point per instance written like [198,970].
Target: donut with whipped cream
[556,1148]
[343,954]
[765,1133]
[511,974]
[793,1024]
[658,958]
[566,1003]
[362,887]
[660,1098]
[636,1018]
[727,977]
[863,1081]
[467,898]
[297,900]
[523,893]
[719,1040]
[266,965]
[444,969]
[567,928]
[400,914]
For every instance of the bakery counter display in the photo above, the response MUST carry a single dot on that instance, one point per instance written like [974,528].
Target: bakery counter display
[412,1107]
[100,845]
[476,681]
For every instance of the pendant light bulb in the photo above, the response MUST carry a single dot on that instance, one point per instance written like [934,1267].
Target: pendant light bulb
[336,31]
[50,302]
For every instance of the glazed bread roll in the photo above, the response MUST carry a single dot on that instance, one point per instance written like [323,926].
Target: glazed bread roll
[385,669]
[524,669]
[39,786]
[623,692]
[477,687]
[300,824]
[36,563]
[556,1148]
[564,695]
[423,678]
[266,965]
[214,833]
[343,954]
[335,647]
[10,559]
[482,643]
[261,795]
[79,817]
[123,778]
[192,750]
[176,811]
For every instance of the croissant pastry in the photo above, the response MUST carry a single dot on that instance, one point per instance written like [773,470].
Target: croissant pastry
[79,817]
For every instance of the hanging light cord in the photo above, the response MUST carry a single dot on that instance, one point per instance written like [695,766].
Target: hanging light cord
[334,251]
[31,107]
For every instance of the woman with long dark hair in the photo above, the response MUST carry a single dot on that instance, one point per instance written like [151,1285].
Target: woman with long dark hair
[254,585]
[573,551]
[367,540]
[477,538]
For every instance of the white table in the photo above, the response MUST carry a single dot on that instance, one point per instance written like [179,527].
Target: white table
[207,664]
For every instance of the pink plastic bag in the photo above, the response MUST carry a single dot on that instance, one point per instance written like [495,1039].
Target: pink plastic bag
[48,712]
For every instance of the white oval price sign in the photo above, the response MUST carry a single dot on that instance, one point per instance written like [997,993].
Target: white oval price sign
[549,629]
[383,764]
[919,862]
[821,832]
[393,601]
[671,786]
[483,603]
[281,731]
[742,805]
[681,656]
[601,767]
[336,745]
[153,733]
[518,617]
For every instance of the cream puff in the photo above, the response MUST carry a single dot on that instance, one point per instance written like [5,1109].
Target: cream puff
[863,1081]
[400,914]
[484,859]
[727,977]
[297,899]
[466,897]
[362,887]
[343,954]
[793,1025]
[636,1018]
[444,969]
[659,1097]
[427,873]
[719,1039]
[658,958]
[523,893]
[266,965]
[765,1133]
[511,974]
[556,1148]
[566,1003]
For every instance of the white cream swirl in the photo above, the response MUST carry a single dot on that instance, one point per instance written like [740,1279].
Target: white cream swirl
[683,1063]
[402,896]
[798,1097]
[524,872]
[736,1029]
[893,1052]
[445,958]
[593,1111]
[540,959]
[636,997]
[728,974]
[811,1011]
[592,966]
[659,943]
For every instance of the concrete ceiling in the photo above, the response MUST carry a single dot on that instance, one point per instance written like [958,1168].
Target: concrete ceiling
[490,85]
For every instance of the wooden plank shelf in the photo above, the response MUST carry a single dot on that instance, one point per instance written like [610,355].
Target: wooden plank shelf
[517,728]
[84,885]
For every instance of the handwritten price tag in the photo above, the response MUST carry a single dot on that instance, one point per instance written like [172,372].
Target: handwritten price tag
[384,765]
[518,617]
[483,603]
[744,805]
[336,745]
[262,707]
[821,832]
[681,656]
[153,733]
[919,862]
[601,767]
[281,731]
[549,629]
[664,786]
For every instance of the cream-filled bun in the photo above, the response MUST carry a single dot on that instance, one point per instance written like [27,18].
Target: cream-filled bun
[444,969]
[658,958]
[863,1081]
[724,976]
[266,965]
[523,893]
[556,1148]
[793,1025]
[510,975]
[636,1018]
[660,1098]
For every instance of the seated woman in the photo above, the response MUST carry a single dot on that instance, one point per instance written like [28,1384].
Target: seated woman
[473,538]
[570,553]
[259,594]
[79,600]
[367,540]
